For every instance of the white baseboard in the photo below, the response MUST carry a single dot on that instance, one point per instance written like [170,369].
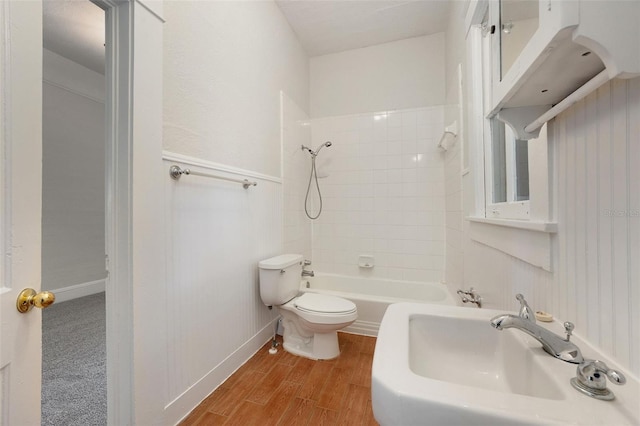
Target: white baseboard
[79,290]
[180,407]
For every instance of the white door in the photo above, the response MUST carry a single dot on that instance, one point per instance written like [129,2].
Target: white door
[20,208]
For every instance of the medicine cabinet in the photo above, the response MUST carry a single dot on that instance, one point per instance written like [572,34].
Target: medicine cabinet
[519,20]
[550,53]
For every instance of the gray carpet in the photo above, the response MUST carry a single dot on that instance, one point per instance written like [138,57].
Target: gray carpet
[74,383]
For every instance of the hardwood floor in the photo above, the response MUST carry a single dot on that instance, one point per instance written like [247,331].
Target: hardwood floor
[285,389]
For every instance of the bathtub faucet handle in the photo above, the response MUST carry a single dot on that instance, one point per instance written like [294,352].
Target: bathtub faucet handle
[306,273]
[470,296]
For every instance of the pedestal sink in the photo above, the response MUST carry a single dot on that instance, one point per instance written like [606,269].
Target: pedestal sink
[446,365]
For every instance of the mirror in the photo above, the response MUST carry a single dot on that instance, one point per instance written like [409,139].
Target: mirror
[519,20]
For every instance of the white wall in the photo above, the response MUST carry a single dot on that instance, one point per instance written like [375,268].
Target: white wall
[296,131]
[398,75]
[453,206]
[454,55]
[595,251]
[382,184]
[217,234]
[149,281]
[598,211]
[73,198]
[225,63]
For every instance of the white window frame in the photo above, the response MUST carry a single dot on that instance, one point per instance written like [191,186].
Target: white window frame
[488,46]
[510,209]
[528,238]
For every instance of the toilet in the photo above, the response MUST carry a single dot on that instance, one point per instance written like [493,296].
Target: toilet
[310,321]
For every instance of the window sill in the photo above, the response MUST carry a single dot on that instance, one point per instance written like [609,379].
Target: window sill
[525,240]
[547,227]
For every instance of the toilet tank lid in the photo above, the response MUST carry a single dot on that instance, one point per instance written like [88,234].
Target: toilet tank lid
[280,262]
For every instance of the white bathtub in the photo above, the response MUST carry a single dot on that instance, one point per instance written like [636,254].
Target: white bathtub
[372,296]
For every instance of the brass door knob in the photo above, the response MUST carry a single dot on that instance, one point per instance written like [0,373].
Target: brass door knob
[28,298]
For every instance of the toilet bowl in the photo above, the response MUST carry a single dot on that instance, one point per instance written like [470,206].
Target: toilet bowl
[310,321]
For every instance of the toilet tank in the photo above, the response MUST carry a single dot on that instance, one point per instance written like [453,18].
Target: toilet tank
[280,278]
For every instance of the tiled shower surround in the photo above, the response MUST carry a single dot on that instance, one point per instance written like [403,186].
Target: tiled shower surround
[382,185]
[296,131]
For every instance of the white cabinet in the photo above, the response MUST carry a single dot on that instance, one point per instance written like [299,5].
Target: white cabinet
[576,44]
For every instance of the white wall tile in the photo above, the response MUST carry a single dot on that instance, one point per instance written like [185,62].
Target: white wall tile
[409,132]
[394,119]
[394,134]
[296,167]
[394,147]
[383,191]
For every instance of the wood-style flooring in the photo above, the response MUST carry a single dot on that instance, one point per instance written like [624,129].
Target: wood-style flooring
[284,389]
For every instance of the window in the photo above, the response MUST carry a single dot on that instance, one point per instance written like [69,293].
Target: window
[506,165]
[507,173]
[511,178]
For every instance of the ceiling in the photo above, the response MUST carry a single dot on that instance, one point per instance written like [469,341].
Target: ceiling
[75,28]
[329,26]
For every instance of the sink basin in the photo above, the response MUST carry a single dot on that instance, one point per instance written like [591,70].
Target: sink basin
[480,356]
[440,365]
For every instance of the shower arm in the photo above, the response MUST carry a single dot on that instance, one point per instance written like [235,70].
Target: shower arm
[317,151]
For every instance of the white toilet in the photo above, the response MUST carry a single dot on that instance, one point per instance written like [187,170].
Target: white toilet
[310,320]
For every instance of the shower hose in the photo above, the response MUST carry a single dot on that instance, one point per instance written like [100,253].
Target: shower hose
[312,176]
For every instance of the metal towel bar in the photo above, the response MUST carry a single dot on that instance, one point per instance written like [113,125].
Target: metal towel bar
[175,172]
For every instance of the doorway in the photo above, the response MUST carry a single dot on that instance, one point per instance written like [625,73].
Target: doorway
[74,378]
[20,221]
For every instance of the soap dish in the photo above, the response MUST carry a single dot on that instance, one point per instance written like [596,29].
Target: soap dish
[544,316]
[366,261]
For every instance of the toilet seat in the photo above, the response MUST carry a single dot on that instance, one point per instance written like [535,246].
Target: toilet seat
[322,309]
[323,303]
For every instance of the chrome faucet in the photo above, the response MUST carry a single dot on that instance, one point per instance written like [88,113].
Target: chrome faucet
[552,343]
[306,273]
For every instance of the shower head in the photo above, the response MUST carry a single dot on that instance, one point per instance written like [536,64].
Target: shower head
[314,153]
[327,144]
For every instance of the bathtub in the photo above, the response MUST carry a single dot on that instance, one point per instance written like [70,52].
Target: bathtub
[372,296]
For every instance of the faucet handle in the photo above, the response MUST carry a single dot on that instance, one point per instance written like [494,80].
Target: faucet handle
[470,296]
[525,311]
[568,328]
[590,379]
[307,262]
